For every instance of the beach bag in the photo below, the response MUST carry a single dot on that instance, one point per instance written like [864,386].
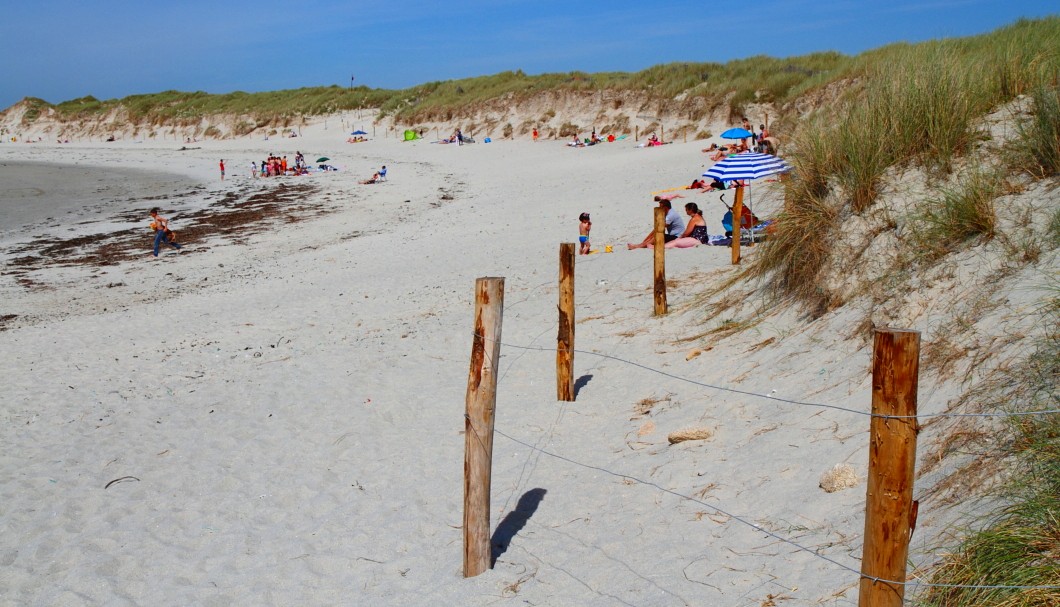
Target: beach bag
[171,236]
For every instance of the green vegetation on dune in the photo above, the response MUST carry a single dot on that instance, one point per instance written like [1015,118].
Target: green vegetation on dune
[175,107]
[1020,544]
[910,107]
[927,110]
[764,79]
[690,89]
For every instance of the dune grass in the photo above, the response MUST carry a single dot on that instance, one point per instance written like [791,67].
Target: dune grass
[1020,544]
[795,257]
[176,107]
[1039,152]
[1000,65]
[907,106]
[958,214]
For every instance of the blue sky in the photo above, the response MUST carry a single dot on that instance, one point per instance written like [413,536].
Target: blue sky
[59,50]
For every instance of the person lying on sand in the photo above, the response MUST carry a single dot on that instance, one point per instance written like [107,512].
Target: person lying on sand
[373,179]
[719,153]
[669,196]
[704,187]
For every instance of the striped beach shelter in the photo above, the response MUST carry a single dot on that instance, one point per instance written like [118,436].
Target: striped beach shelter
[747,166]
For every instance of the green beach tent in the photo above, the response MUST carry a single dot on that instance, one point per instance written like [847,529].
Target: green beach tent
[411,135]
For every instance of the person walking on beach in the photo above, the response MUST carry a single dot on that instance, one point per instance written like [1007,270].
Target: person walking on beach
[162,233]
[222,163]
[535,134]
[583,233]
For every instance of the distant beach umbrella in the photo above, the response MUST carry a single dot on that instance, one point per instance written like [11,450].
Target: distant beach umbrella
[736,133]
[358,132]
[323,159]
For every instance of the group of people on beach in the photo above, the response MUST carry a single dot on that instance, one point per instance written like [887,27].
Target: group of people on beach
[592,139]
[275,166]
[678,233]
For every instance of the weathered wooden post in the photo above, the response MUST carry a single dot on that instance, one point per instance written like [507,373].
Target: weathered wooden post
[890,512]
[565,339]
[737,224]
[660,261]
[636,133]
[481,404]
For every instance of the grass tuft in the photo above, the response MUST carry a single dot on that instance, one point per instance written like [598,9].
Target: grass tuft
[959,214]
[796,254]
[1039,151]
[1020,546]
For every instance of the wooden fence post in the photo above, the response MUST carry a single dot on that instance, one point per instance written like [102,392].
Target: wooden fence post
[565,339]
[636,132]
[737,223]
[660,261]
[890,512]
[481,404]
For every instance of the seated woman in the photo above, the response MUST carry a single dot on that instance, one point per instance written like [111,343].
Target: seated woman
[695,232]
[373,179]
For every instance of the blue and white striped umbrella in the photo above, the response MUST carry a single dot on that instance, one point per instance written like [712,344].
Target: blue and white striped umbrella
[747,166]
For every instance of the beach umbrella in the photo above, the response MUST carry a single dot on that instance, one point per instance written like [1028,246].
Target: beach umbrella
[323,159]
[358,132]
[747,166]
[736,133]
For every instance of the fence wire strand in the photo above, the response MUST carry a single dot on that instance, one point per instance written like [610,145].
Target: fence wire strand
[781,399]
[916,582]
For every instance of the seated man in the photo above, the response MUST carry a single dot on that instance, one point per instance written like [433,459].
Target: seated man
[675,226]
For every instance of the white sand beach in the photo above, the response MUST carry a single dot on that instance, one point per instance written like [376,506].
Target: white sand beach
[274,415]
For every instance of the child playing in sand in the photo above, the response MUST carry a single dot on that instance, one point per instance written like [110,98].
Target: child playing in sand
[583,231]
